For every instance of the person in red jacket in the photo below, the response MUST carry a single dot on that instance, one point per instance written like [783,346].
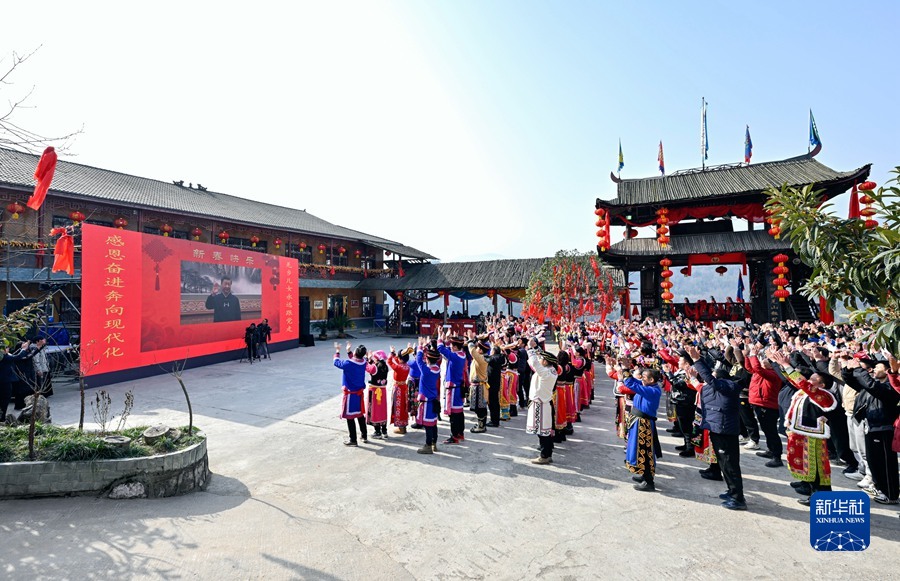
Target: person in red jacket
[765,385]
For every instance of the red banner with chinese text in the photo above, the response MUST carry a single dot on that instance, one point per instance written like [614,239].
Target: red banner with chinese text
[151,299]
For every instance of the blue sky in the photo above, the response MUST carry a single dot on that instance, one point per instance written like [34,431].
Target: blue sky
[462,128]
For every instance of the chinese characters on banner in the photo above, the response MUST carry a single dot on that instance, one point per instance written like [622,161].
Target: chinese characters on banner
[144,298]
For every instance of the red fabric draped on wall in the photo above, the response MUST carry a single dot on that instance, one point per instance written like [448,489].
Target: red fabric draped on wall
[752,212]
[726,258]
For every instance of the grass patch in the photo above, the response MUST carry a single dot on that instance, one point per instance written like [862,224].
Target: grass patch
[55,443]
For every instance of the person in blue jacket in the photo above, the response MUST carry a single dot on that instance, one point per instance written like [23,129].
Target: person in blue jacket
[640,455]
[720,398]
[428,362]
[353,386]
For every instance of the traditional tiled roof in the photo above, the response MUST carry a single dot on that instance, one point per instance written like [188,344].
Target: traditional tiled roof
[457,276]
[730,181]
[82,181]
[755,241]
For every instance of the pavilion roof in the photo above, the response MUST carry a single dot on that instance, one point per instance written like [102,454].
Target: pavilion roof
[731,181]
[510,274]
[749,242]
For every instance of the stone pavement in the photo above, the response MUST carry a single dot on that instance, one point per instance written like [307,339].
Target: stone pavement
[288,501]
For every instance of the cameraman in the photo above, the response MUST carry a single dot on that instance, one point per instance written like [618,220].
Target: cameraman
[264,331]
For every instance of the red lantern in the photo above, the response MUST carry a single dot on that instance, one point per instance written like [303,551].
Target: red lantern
[663,230]
[866,199]
[302,246]
[667,296]
[666,273]
[663,241]
[223,236]
[721,270]
[867,212]
[686,271]
[775,231]
[357,253]
[322,249]
[341,250]
[254,240]
[120,223]
[781,281]
[76,217]
[196,232]
[665,262]
[871,224]
[600,222]
[666,284]
[781,258]
[867,186]
[598,211]
[15,208]
[780,270]
[782,294]
[277,242]
[166,229]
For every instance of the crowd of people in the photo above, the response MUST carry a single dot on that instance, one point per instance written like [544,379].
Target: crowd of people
[722,387]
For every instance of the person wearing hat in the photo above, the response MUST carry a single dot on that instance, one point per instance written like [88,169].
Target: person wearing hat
[509,384]
[376,395]
[539,419]
[478,381]
[807,427]
[413,388]
[495,362]
[353,386]
[399,363]
[453,397]
[428,361]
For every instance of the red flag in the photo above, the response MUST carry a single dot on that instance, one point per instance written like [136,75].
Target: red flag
[854,204]
[44,175]
[63,252]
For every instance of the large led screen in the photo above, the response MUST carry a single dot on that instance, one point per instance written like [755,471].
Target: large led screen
[151,299]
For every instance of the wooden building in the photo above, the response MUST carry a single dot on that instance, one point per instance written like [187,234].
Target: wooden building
[701,208]
[333,259]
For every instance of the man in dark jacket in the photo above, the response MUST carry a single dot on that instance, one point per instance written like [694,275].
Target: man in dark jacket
[720,401]
[877,403]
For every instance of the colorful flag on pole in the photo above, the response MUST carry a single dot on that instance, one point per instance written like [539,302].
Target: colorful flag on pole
[704,138]
[740,290]
[748,146]
[621,157]
[661,160]
[813,131]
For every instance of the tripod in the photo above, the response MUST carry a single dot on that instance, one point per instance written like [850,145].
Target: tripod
[248,353]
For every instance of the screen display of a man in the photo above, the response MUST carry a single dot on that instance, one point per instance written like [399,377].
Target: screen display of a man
[225,306]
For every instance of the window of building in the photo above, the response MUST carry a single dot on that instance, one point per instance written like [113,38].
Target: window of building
[303,256]
[245,244]
[333,258]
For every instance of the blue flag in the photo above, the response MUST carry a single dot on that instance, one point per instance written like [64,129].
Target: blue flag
[740,291]
[813,131]
[748,146]
[621,157]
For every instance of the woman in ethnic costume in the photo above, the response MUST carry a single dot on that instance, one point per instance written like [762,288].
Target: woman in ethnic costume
[807,428]
[353,386]
[377,412]
[565,390]
[540,396]
[428,361]
[400,398]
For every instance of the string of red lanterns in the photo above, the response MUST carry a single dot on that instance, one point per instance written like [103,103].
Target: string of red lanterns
[662,231]
[666,284]
[603,223]
[775,223]
[781,281]
[866,199]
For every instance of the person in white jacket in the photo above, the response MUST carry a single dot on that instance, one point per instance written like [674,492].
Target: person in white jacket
[540,394]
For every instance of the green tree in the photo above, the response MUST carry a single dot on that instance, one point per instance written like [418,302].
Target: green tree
[854,261]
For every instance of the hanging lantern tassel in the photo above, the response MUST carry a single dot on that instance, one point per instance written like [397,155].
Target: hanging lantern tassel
[666,284]
[781,281]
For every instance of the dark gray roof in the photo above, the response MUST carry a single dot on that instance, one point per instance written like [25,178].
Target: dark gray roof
[729,181]
[711,243]
[453,276]
[82,181]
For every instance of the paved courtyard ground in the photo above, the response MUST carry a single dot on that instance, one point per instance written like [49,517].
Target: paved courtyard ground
[288,501]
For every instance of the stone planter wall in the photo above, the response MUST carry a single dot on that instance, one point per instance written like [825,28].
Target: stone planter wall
[149,477]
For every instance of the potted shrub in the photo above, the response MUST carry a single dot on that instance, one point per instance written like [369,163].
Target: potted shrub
[322,327]
[340,323]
